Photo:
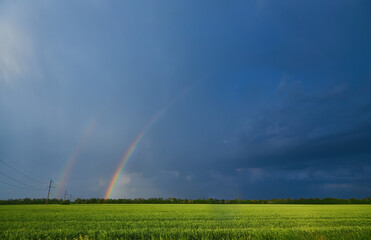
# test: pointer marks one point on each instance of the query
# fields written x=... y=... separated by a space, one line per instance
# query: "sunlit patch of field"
x=193 y=221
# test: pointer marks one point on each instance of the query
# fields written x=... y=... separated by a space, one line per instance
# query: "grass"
x=166 y=221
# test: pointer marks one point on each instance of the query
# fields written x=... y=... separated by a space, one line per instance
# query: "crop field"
x=167 y=221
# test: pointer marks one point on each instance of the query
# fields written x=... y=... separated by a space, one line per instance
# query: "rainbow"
x=61 y=183
x=129 y=152
x=134 y=144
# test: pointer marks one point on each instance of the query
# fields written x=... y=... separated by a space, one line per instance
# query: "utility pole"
x=47 y=198
x=70 y=197
x=65 y=193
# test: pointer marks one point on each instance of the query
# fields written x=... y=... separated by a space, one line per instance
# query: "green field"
x=166 y=221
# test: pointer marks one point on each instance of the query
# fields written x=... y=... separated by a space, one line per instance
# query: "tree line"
x=186 y=201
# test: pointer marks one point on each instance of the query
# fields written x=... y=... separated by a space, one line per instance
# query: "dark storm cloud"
x=306 y=127
x=320 y=141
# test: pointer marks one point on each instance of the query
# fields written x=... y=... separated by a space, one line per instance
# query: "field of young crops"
x=166 y=221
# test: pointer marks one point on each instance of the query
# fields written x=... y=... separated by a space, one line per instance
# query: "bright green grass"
x=202 y=221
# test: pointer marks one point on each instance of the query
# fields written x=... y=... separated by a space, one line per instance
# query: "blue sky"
x=278 y=102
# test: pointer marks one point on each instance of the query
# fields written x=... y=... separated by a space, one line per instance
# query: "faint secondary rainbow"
x=134 y=144
x=61 y=183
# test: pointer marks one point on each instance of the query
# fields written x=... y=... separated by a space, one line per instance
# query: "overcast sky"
x=272 y=98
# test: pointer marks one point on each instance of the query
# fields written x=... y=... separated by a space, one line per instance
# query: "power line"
x=21 y=182
x=20 y=172
x=18 y=186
